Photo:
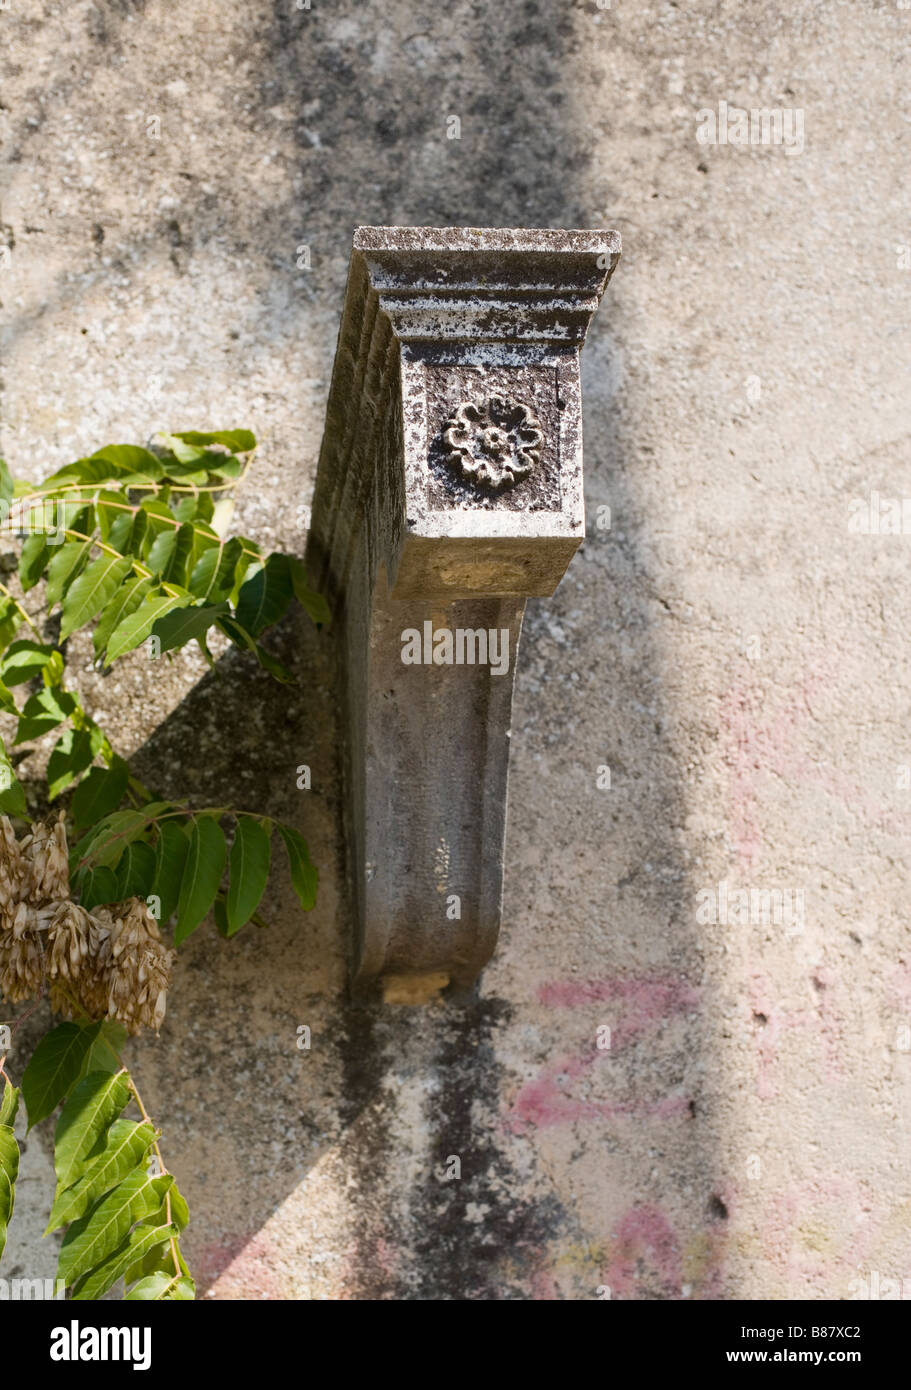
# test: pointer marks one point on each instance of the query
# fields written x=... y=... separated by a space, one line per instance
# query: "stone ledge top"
x=549 y=240
x=493 y=284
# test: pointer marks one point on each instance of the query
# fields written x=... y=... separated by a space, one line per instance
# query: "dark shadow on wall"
x=374 y=89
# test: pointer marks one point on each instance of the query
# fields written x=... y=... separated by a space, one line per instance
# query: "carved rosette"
x=495 y=443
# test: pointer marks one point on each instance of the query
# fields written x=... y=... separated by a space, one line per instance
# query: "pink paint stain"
x=834 y=1206
x=636 y=1003
x=644 y=1236
x=239 y=1268
x=543 y=1287
x=646 y=1259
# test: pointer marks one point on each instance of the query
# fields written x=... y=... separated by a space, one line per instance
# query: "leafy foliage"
x=127 y=541
x=175 y=858
x=122 y=1211
x=9 y=1158
x=130 y=543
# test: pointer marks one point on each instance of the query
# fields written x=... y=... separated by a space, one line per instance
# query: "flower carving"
x=494 y=444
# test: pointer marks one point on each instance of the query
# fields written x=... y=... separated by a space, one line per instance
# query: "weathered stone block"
x=449 y=490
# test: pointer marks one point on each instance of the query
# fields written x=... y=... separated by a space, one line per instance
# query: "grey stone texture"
x=729 y=648
x=450 y=476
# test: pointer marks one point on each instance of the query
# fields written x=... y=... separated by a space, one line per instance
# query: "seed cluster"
x=107 y=963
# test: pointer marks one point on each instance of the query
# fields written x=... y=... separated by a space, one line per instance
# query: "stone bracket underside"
x=449 y=490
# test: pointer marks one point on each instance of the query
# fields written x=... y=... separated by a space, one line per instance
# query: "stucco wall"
x=729 y=648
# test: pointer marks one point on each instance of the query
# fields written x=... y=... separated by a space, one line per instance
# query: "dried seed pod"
x=107 y=963
x=45 y=853
x=139 y=971
x=21 y=956
x=73 y=941
x=13 y=870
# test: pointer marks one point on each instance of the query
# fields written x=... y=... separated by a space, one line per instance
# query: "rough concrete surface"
x=728 y=648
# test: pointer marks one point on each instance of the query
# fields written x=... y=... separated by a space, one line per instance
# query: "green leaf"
x=271 y=664
x=213 y=573
x=12 y=800
x=247 y=566
x=7 y=702
x=105 y=842
x=204 y=540
x=73 y=752
x=162 y=1287
x=138 y=1243
x=9 y=1154
x=97 y=886
x=54 y=1066
x=173 y=1209
x=154 y=1262
x=89 y=1112
x=241 y=638
x=183 y=451
x=75 y=514
x=135 y=629
x=249 y=872
x=126 y=1146
x=104 y=1054
x=35 y=555
x=12 y=797
x=136 y=871
x=9 y=1171
x=100 y=793
x=64 y=567
x=10 y=1103
x=161 y=518
x=237 y=441
x=109 y=506
x=170 y=857
x=129 y=531
x=223 y=466
x=162 y=549
x=98 y=737
x=6 y=484
x=92 y=471
x=172 y=1212
x=94 y=588
x=133 y=460
x=312 y=603
x=180 y=1212
x=43 y=712
x=98 y=1233
x=185 y=507
x=265 y=598
x=125 y=601
x=187 y=625
x=176 y=571
x=198 y=507
x=187 y=474
x=10 y=620
x=303 y=872
x=24 y=660
x=202 y=875
x=53 y=671
x=183 y=1291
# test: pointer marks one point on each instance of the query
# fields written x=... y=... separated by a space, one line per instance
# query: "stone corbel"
x=449 y=490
